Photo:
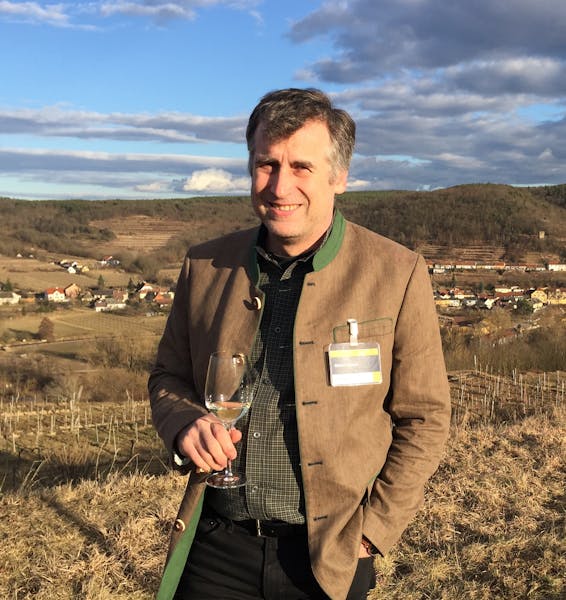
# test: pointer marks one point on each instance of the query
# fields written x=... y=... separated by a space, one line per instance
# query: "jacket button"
x=179 y=525
x=256 y=301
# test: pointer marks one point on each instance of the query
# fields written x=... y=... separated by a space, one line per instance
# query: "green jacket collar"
x=323 y=256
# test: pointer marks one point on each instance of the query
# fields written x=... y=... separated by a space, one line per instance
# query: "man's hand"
x=363 y=553
x=207 y=443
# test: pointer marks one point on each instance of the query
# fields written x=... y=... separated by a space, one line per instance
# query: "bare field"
x=76 y=323
x=37 y=275
x=142 y=234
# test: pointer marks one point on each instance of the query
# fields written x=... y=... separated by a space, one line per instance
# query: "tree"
x=101 y=282
x=524 y=307
x=46 y=330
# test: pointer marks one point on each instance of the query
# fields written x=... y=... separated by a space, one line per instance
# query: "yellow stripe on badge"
x=354 y=352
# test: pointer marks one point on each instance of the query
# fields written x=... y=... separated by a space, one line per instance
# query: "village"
x=530 y=299
x=102 y=298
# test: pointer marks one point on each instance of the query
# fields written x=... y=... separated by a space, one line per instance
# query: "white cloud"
x=461 y=162
x=162 y=11
x=546 y=154
x=52 y=14
x=214 y=181
x=57 y=121
x=154 y=187
x=167 y=11
x=63 y=14
x=358 y=184
x=527 y=75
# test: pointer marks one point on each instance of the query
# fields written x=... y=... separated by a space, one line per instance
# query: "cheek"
x=260 y=182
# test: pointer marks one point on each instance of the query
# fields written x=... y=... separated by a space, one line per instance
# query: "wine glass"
x=228 y=396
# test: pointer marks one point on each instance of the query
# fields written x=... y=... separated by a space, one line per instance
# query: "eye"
x=302 y=168
x=264 y=167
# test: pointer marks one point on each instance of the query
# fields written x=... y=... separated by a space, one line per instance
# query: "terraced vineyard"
x=480 y=253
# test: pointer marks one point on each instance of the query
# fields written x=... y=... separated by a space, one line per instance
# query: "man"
x=351 y=407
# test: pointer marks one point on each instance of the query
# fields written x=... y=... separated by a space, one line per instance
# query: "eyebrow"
x=263 y=159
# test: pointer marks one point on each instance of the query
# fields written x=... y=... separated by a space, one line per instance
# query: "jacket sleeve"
x=174 y=400
x=419 y=405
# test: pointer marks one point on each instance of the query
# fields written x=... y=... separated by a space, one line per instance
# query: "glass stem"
x=228 y=469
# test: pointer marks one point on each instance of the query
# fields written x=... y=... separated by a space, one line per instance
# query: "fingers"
x=207 y=443
x=235 y=435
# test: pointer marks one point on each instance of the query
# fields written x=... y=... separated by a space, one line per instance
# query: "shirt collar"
x=321 y=257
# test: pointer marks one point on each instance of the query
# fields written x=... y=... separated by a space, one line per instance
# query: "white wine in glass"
x=228 y=396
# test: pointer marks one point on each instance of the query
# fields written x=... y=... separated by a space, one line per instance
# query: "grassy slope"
x=492 y=527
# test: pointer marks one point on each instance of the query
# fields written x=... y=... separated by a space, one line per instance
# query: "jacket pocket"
x=368 y=331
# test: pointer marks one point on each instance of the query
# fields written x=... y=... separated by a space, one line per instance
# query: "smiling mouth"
x=284 y=207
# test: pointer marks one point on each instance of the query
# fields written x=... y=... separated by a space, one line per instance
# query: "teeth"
x=286 y=207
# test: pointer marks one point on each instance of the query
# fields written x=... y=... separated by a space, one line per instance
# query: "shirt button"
x=254 y=489
x=277 y=329
x=256 y=434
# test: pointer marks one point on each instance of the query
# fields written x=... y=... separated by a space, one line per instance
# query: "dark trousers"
x=228 y=562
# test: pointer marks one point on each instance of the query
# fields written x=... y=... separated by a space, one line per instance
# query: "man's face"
x=293 y=187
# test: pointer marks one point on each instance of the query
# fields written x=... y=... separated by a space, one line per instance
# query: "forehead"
x=313 y=138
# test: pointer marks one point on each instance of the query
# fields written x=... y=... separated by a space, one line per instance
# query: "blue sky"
x=148 y=99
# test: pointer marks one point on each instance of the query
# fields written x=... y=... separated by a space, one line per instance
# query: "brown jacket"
x=378 y=443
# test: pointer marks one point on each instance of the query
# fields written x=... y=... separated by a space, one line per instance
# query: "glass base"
x=226 y=481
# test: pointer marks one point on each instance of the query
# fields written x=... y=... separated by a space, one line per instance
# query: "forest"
x=466 y=214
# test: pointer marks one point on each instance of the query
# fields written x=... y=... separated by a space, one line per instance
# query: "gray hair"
x=283 y=112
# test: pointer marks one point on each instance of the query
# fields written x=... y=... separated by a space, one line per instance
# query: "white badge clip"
x=353 y=330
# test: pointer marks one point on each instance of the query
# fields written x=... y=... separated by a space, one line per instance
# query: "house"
x=72 y=291
x=442 y=267
x=87 y=297
x=488 y=302
x=535 y=267
x=540 y=295
x=465 y=265
x=55 y=294
x=164 y=299
x=120 y=295
x=108 y=305
x=9 y=298
x=448 y=302
x=102 y=294
x=556 y=266
x=144 y=288
x=109 y=261
x=557 y=297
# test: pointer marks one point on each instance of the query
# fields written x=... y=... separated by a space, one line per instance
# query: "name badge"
x=354 y=364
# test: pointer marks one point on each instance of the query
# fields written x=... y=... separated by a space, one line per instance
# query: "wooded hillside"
x=487 y=214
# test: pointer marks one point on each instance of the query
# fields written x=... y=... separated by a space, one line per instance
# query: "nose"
x=281 y=182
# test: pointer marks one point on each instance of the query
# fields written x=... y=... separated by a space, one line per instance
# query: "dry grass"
x=493 y=525
x=95 y=540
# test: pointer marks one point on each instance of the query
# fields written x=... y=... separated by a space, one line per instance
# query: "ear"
x=340 y=182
